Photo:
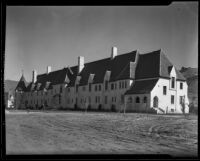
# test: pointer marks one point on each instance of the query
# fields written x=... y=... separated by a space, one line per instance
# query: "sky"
x=38 y=36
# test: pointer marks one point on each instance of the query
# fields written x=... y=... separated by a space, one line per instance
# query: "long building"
x=127 y=82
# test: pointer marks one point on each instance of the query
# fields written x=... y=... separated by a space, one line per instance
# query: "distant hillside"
x=191 y=74
x=10 y=85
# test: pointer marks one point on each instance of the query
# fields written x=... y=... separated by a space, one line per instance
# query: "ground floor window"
x=172 y=99
x=155 y=101
x=137 y=100
x=145 y=99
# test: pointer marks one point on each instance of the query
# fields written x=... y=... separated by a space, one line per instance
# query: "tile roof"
x=21 y=86
x=142 y=86
x=150 y=65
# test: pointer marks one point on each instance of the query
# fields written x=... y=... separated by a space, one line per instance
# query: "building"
x=131 y=81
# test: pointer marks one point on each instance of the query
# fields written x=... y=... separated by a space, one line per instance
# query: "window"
x=125 y=84
x=106 y=99
x=112 y=86
x=90 y=87
x=99 y=87
x=106 y=85
x=95 y=87
x=181 y=99
x=60 y=89
x=172 y=99
x=181 y=85
x=155 y=101
x=164 y=90
x=120 y=85
x=115 y=85
x=145 y=99
x=137 y=100
x=173 y=82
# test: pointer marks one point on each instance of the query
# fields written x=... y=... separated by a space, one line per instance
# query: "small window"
x=112 y=86
x=173 y=82
x=181 y=85
x=99 y=87
x=120 y=85
x=137 y=100
x=145 y=99
x=115 y=85
x=60 y=89
x=181 y=100
x=164 y=90
x=172 y=99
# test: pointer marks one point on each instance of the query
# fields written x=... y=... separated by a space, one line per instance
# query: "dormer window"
x=173 y=82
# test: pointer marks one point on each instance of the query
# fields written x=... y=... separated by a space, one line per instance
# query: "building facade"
x=131 y=82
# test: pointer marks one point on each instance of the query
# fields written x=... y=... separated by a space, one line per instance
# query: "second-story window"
x=60 y=89
x=181 y=85
x=106 y=85
x=112 y=86
x=90 y=87
x=173 y=82
x=99 y=87
x=164 y=90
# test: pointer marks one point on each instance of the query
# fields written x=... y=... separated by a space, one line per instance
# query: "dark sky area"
x=37 y=36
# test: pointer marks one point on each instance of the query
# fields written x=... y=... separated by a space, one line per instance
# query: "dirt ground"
x=100 y=133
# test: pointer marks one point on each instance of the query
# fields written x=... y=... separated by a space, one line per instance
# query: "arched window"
x=130 y=100
x=137 y=100
x=155 y=101
x=145 y=99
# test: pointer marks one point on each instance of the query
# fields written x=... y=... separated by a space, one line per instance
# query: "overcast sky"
x=37 y=36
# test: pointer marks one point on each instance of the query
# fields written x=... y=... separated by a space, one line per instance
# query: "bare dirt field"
x=100 y=133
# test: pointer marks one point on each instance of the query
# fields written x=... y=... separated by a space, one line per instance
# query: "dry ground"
x=100 y=133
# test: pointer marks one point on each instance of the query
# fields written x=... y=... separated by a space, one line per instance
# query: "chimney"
x=114 y=52
x=48 y=69
x=80 y=63
x=34 y=76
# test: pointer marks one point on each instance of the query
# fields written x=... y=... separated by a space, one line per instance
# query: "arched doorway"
x=155 y=101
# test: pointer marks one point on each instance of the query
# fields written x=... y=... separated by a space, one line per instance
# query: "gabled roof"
x=21 y=86
x=142 y=87
x=153 y=65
